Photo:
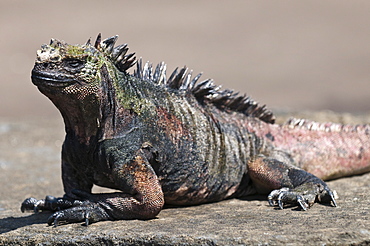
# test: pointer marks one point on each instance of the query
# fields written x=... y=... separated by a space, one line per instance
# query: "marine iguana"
x=177 y=141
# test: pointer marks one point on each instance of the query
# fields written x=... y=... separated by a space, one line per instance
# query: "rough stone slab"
x=29 y=166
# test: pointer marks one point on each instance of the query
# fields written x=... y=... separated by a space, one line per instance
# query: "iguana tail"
x=327 y=150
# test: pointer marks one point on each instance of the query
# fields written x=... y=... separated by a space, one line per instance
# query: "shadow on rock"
x=255 y=197
x=13 y=223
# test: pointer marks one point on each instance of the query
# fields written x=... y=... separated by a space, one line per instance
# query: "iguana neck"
x=81 y=116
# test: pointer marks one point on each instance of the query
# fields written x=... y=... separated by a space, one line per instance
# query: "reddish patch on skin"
x=117 y=123
x=171 y=125
x=327 y=155
x=148 y=198
x=265 y=175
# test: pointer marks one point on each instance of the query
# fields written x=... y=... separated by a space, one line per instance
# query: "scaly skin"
x=176 y=141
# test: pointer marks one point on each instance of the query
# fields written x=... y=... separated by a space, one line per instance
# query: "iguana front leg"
x=71 y=181
x=141 y=197
x=289 y=184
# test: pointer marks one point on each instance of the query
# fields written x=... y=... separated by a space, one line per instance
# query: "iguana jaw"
x=50 y=79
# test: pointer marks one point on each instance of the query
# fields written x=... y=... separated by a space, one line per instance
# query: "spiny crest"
x=181 y=79
x=116 y=54
x=295 y=123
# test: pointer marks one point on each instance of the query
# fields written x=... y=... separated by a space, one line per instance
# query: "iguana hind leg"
x=286 y=183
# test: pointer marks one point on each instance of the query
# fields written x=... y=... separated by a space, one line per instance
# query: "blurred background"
x=294 y=55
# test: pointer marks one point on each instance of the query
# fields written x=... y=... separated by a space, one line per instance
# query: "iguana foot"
x=67 y=211
x=50 y=203
x=304 y=195
x=87 y=212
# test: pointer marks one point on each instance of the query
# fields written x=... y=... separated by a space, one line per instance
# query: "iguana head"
x=76 y=78
x=61 y=68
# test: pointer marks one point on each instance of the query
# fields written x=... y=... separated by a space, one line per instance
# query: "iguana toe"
x=30 y=204
x=87 y=212
x=289 y=196
x=304 y=196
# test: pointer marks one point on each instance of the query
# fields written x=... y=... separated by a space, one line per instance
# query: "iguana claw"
x=287 y=196
x=302 y=195
x=50 y=203
x=30 y=204
x=87 y=212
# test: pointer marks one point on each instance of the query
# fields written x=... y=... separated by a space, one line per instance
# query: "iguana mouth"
x=50 y=79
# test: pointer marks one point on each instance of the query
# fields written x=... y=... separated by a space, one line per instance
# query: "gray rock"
x=29 y=166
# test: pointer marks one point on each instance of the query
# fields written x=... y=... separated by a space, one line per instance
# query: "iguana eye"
x=73 y=63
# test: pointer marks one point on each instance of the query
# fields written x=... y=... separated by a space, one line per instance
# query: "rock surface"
x=29 y=166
